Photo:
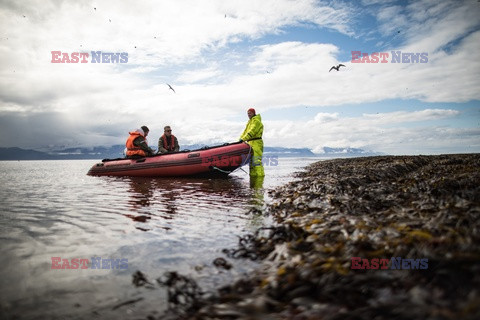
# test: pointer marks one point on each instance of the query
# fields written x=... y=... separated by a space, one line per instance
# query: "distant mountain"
x=22 y=154
x=288 y=152
x=116 y=151
x=64 y=154
x=346 y=152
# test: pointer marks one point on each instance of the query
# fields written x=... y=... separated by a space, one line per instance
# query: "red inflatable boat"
x=208 y=161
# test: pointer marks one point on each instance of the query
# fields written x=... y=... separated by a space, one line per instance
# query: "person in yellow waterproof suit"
x=253 y=136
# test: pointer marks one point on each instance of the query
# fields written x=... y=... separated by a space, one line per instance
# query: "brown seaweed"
x=380 y=207
x=383 y=208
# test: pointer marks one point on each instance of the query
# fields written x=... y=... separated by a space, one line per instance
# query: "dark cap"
x=145 y=129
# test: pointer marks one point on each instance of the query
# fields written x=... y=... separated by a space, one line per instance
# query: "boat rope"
x=245 y=161
x=243 y=170
x=228 y=172
x=224 y=171
x=240 y=167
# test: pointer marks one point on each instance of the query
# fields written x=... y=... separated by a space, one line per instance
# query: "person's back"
x=137 y=146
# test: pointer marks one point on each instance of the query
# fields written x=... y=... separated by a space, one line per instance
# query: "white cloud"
x=431 y=25
x=376 y=2
x=192 y=76
x=166 y=34
x=219 y=59
x=412 y=132
x=415 y=116
x=392 y=19
x=325 y=117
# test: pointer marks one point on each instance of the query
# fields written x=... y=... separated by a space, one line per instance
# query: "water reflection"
x=140 y=192
x=52 y=209
x=140 y=195
x=256 y=185
x=257 y=201
x=151 y=198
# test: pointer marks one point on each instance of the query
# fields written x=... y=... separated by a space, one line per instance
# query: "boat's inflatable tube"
x=208 y=161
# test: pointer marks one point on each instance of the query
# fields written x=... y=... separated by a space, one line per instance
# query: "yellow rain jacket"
x=253 y=136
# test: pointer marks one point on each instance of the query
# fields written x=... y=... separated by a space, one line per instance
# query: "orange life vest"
x=165 y=144
x=133 y=149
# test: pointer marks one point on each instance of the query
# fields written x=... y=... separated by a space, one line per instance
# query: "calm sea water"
x=53 y=209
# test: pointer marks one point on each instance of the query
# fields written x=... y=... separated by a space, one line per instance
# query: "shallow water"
x=53 y=209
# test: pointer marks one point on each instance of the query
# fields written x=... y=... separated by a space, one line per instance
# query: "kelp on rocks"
x=410 y=207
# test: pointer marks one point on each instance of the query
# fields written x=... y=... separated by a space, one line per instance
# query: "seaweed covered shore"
x=378 y=237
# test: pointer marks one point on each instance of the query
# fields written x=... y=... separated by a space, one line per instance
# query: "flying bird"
x=336 y=67
x=171 y=87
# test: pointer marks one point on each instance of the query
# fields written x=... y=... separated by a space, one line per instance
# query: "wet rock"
x=140 y=280
x=184 y=295
x=222 y=263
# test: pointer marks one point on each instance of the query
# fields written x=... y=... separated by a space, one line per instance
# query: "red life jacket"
x=165 y=144
x=133 y=149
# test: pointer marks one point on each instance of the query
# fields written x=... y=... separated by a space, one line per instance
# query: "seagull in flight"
x=171 y=87
x=337 y=67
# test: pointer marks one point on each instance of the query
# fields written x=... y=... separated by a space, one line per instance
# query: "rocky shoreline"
x=361 y=238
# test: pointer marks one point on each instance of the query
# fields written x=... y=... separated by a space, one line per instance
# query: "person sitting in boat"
x=137 y=145
x=168 y=142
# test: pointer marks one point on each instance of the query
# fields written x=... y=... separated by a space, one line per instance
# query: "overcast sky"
x=223 y=57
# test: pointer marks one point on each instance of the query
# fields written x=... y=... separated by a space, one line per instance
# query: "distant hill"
x=347 y=152
x=22 y=154
x=288 y=152
x=64 y=154
x=116 y=151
